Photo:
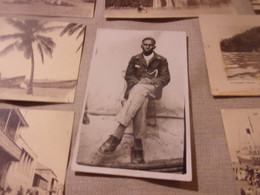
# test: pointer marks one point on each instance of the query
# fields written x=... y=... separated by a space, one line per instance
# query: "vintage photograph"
x=242 y=127
x=166 y=8
x=39 y=60
x=256 y=6
x=241 y=53
x=136 y=117
x=34 y=152
x=68 y=8
x=232 y=51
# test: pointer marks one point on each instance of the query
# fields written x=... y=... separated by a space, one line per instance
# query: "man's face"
x=148 y=47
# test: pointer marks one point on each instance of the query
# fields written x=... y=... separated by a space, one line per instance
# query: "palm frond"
x=47 y=44
x=17 y=24
x=68 y=28
x=8 y=49
x=71 y=28
x=47 y=40
x=41 y=52
x=41 y=25
x=83 y=30
x=52 y=28
x=11 y=36
x=81 y=45
x=42 y=28
x=75 y=29
x=47 y=50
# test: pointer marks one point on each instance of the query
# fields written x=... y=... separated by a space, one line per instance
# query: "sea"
x=242 y=65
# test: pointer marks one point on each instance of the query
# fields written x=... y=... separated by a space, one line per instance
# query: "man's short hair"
x=149 y=38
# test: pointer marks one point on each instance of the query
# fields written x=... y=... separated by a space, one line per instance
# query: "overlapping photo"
x=39 y=59
x=67 y=8
x=256 y=6
x=166 y=8
x=136 y=113
x=232 y=51
x=242 y=127
x=34 y=150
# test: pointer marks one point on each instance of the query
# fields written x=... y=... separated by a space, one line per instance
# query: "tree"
x=28 y=35
x=72 y=28
x=247 y=41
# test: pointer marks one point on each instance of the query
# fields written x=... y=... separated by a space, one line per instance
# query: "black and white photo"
x=34 y=152
x=242 y=127
x=241 y=53
x=166 y=8
x=256 y=6
x=232 y=51
x=136 y=116
x=39 y=59
x=71 y=8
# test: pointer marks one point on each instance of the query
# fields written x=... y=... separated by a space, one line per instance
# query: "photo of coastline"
x=232 y=52
x=241 y=53
x=39 y=59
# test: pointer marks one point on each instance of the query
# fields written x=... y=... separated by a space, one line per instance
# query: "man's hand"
x=146 y=81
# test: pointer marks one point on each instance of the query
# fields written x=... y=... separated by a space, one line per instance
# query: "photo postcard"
x=166 y=8
x=34 y=150
x=256 y=6
x=242 y=127
x=58 y=8
x=232 y=51
x=136 y=120
x=39 y=59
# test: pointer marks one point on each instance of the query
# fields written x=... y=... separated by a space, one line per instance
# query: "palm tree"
x=72 y=28
x=28 y=35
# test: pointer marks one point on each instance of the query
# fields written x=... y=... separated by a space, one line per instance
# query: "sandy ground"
x=167 y=12
x=79 y=8
x=39 y=94
x=161 y=143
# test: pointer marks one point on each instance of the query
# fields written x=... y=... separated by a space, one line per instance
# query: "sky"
x=229 y=31
x=64 y=65
x=49 y=135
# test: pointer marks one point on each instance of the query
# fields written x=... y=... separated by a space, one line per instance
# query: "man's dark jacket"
x=157 y=70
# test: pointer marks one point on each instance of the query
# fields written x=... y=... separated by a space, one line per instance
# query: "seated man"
x=146 y=75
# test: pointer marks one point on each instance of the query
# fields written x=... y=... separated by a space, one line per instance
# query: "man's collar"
x=149 y=56
x=155 y=56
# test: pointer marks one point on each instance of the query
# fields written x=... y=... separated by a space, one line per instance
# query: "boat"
x=250 y=157
x=249 y=153
x=53 y=84
x=13 y=82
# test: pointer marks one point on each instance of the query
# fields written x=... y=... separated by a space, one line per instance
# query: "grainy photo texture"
x=34 y=152
x=242 y=127
x=241 y=52
x=256 y=5
x=136 y=118
x=232 y=51
x=39 y=60
x=68 y=8
x=165 y=8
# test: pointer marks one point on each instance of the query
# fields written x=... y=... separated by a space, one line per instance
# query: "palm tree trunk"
x=30 y=87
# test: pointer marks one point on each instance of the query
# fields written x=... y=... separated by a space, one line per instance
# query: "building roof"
x=22 y=119
x=40 y=166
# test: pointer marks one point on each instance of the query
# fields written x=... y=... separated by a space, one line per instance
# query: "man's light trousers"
x=135 y=108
